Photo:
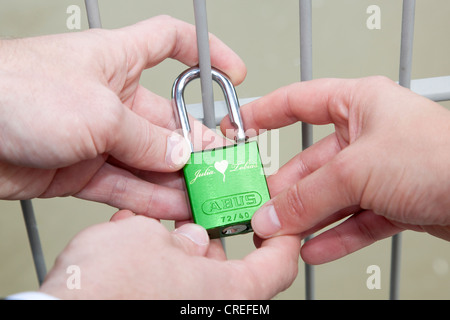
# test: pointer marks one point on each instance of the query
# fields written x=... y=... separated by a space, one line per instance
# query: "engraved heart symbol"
x=221 y=166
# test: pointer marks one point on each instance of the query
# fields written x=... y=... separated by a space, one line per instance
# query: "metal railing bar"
x=406 y=51
x=34 y=240
x=93 y=14
x=436 y=88
x=204 y=58
x=407 y=39
x=204 y=63
x=196 y=109
x=305 y=15
x=396 y=251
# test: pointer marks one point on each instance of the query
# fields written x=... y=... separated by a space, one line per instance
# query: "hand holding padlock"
x=225 y=185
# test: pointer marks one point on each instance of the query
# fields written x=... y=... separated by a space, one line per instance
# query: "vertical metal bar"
x=406 y=49
x=406 y=52
x=204 y=62
x=305 y=40
x=394 y=286
x=93 y=13
x=33 y=238
x=305 y=12
x=201 y=25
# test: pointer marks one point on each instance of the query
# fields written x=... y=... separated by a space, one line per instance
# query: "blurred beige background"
x=265 y=33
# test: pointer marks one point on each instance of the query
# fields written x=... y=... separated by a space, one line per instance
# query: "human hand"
x=74 y=117
x=135 y=257
x=386 y=165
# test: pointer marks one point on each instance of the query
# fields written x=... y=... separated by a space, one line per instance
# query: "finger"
x=318 y=101
x=68 y=180
x=336 y=185
x=156 y=109
x=159 y=111
x=442 y=232
x=303 y=164
x=172 y=180
x=158 y=38
x=335 y=217
x=121 y=189
x=122 y=214
x=141 y=144
x=357 y=232
x=324 y=223
x=203 y=137
x=160 y=149
x=215 y=249
x=272 y=268
x=192 y=238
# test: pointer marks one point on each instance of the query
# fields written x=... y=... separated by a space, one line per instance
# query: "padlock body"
x=225 y=187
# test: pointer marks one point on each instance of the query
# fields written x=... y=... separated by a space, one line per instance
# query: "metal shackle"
x=228 y=90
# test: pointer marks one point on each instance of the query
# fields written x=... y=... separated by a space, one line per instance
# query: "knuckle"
x=295 y=209
x=375 y=84
x=118 y=190
x=378 y=80
x=343 y=170
x=352 y=173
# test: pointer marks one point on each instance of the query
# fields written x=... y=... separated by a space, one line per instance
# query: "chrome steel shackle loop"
x=228 y=90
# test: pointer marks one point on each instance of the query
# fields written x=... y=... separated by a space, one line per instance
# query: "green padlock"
x=225 y=185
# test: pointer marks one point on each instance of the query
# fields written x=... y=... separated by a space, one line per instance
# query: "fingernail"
x=195 y=233
x=265 y=222
x=177 y=151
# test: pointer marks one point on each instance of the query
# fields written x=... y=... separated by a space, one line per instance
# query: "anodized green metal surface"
x=225 y=187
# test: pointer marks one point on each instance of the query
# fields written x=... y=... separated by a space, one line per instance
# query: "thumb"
x=122 y=214
x=143 y=145
x=192 y=238
x=333 y=187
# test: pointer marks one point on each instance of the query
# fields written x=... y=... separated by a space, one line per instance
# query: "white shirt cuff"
x=31 y=295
